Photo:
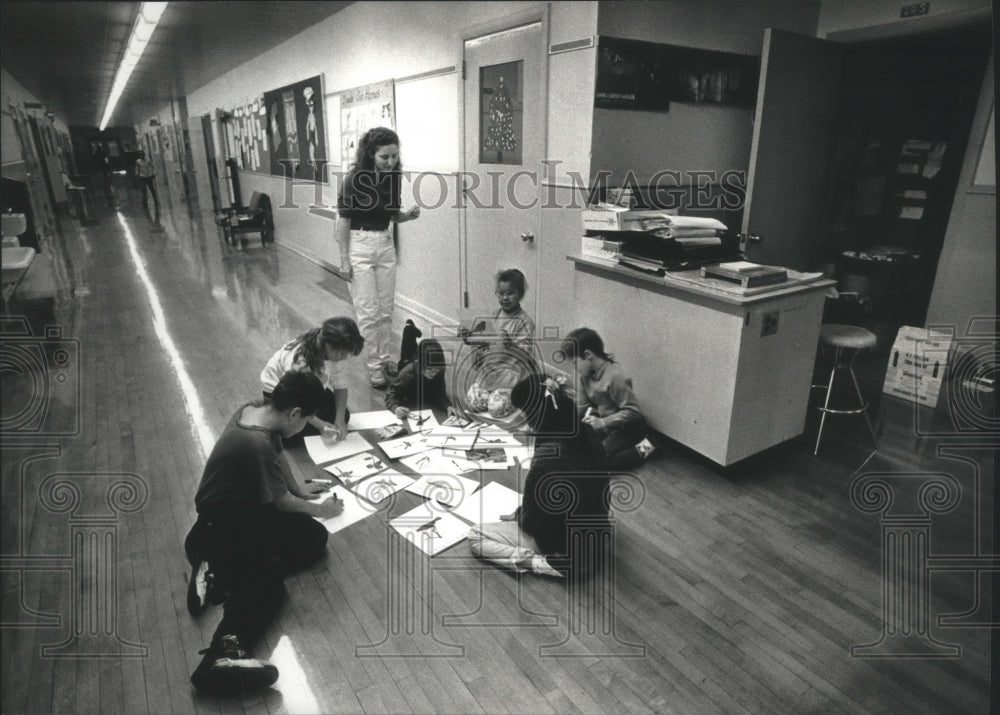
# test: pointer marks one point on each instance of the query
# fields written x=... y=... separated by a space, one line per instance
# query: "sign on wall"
x=361 y=109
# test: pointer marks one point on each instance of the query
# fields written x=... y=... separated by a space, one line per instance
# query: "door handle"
x=746 y=239
x=527 y=236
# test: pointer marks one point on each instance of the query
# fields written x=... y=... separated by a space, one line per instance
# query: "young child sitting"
x=502 y=346
x=568 y=460
x=420 y=384
x=606 y=401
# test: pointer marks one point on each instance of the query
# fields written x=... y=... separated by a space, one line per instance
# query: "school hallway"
x=753 y=589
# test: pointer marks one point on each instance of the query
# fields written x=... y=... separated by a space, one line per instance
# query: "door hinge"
x=465 y=299
x=463 y=70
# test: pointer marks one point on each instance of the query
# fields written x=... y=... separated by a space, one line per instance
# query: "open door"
x=793 y=136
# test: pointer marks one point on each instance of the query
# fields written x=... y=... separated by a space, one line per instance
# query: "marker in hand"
x=319 y=481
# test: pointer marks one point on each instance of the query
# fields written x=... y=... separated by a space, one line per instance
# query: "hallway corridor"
x=736 y=591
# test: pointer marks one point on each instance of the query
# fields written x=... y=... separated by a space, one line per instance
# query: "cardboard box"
x=918 y=362
x=619 y=218
x=600 y=247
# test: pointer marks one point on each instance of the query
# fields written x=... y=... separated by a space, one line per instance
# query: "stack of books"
x=654 y=241
x=748 y=275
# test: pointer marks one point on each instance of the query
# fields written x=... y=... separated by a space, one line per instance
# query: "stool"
x=848 y=341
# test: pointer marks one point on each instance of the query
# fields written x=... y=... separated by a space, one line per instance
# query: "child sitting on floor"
x=606 y=401
x=420 y=384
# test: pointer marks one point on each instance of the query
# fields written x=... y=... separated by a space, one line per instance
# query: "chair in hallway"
x=847 y=341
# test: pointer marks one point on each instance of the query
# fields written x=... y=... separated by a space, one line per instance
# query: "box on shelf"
x=619 y=218
x=600 y=247
x=917 y=365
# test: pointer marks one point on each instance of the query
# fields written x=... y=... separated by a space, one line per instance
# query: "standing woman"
x=369 y=200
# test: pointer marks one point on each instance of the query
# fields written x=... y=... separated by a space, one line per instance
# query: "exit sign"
x=920 y=8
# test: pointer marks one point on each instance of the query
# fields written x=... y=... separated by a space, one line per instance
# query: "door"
x=504 y=108
x=794 y=128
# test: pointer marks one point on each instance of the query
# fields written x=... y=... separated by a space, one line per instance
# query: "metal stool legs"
x=840 y=364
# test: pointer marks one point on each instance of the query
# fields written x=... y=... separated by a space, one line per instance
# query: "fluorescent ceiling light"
x=145 y=23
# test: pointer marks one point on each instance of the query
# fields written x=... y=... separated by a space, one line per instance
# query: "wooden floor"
x=742 y=591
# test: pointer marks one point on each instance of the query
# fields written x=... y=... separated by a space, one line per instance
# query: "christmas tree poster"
x=501 y=113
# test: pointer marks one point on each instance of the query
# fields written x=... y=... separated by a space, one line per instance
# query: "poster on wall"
x=361 y=109
x=501 y=113
x=630 y=76
x=648 y=76
x=296 y=129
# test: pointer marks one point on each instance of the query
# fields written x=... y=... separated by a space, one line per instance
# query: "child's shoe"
x=645 y=448
x=228 y=668
x=377 y=379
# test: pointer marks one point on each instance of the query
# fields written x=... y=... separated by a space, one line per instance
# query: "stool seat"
x=847 y=341
x=846 y=336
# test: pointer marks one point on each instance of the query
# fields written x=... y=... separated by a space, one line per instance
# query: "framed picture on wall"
x=630 y=75
x=501 y=113
x=296 y=130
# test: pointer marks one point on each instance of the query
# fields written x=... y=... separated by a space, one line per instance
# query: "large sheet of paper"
x=435 y=462
x=320 y=452
x=421 y=421
x=405 y=446
x=371 y=420
x=449 y=489
x=378 y=487
x=488 y=504
x=429 y=529
x=355 y=509
x=491 y=458
x=356 y=468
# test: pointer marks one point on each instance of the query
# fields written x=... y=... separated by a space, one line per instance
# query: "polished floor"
x=848 y=582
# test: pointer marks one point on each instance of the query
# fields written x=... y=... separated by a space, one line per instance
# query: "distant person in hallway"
x=146 y=172
x=255 y=526
x=606 y=402
x=323 y=352
x=568 y=480
x=367 y=204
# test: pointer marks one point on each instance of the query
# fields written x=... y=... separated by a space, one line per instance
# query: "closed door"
x=504 y=146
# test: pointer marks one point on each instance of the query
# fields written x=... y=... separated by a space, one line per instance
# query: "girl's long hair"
x=364 y=160
x=339 y=333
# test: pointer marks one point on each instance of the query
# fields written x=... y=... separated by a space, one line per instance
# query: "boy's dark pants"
x=250 y=550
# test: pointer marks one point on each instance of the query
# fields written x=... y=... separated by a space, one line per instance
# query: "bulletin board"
x=296 y=129
x=245 y=137
x=361 y=108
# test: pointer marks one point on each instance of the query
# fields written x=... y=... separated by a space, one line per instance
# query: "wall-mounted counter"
x=724 y=372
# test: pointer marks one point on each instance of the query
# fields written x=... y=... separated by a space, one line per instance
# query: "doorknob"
x=527 y=236
x=747 y=238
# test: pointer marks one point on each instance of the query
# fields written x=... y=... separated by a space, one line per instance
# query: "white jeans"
x=508 y=547
x=373 y=290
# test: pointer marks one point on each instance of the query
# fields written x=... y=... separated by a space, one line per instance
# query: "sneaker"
x=645 y=448
x=228 y=668
x=197 y=593
x=378 y=379
x=389 y=368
